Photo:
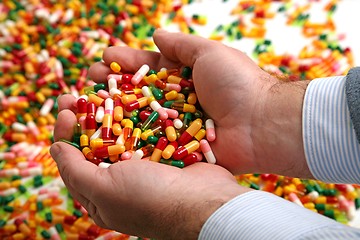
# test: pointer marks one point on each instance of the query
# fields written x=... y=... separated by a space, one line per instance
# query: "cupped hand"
x=141 y=198
x=230 y=87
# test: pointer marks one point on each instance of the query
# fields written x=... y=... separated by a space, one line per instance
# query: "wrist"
x=192 y=211
x=277 y=135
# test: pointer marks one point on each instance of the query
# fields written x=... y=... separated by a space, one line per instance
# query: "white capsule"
x=99 y=115
x=137 y=155
x=96 y=134
x=104 y=165
x=47 y=106
x=19 y=127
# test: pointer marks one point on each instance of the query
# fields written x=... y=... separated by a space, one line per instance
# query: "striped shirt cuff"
x=331 y=147
x=262 y=215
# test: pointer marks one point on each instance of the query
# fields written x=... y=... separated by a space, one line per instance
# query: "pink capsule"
x=31 y=171
x=208 y=153
x=19 y=127
x=172 y=113
x=47 y=106
x=210 y=130
x=103 y=94
x=7 y=155
x=140 y=74
x=155 y=105
x=126 y=155
x=294 y=198
x=27 y=164
x=172 y=86
x=9 y=172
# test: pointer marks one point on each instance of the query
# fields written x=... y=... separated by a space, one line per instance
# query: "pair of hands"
x=154 y=200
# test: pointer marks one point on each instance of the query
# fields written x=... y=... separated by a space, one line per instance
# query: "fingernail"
x=55 y=151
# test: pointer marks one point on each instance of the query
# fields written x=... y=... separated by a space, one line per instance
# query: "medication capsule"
x=81 y=108
x=294 y=198
x=23 y=227
x=98 y=143
x=208 y=153
x=126 y=155
x=157 y=93
x=134 y=140
x=172 y=113
x=115 y=67
x=118 y=110
x=170 y=130
x=137 y=155
x=90 y=108
x=7 y=156
x=181 y=81
x=169 y=150
x=84 y=140
x=185 y=150
x=90 y=124
x=190 y=132
x=140 y=74
x=106 y=151
x=147 y=150
x=149 y=121
x=129 y=125
x=183 y=107
x=172 y=95
x=172 y=86
x=109 y=106
x=190 y=159
x=128 y=98
x=95 y=99
x=159 y=148
x=200 y=134
x=192 y=98
x=155 y=105
x=179 y=164
x=93 y=89
x=106 y=132
x=47 y=106
x=136 y=104
x=150 y=132
x=178 y=124
x=116 y=129
x=100 y=113
x=210 y=130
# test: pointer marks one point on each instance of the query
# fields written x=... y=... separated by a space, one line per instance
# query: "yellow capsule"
x=320 y=199
x=278 y=191
x=309 y=205
x=171 y=95
x=162 y=74
x=40 y=97
x=95 y=99
x=116 y=129
x=200 y=134
x=192 y=98
x=151 y=78
x=84 y=140
x=115 y=67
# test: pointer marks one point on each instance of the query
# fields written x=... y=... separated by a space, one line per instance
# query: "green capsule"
x=8 y=199
x=135 y=119
x=329 y=192
x=158 y=93
x=45 y=234
x=152 y=139
x=357 y=203
x=179 y=164
x=48 y=217
x=320 y=207
x=152 y=71
x=2 y=223
x=22 y=188
x=59 y=228
x=77 y=213
x=254 y=186
x=329 y=213
x=150 y=120
x=39 y=206
x=71 y=143
x=95 y=88
x=168 y=104
x=8 y=208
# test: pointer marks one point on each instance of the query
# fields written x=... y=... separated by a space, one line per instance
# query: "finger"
x=77 y=173
x=98 y=72
x=179 y=47
x=131 y=59
x=66 y=101
x=64 y=126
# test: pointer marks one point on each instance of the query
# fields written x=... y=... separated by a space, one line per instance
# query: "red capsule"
x=91 y=108
x=81 y=107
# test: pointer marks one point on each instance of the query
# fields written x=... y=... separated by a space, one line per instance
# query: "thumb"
x=180 y=47
x=77 y=173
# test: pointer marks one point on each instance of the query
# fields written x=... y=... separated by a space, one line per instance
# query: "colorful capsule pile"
x=46 y=49
x=146 y=115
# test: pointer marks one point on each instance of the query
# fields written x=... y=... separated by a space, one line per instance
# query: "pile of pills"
x=146 y=115
x=46 y=49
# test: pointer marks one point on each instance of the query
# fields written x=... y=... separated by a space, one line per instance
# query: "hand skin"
x=141 y=198
x=258 y=126
x=258 y=118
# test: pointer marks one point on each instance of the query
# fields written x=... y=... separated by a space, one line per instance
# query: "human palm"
x=230 y=87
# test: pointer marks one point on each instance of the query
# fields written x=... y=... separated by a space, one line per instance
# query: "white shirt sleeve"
x=332 y=152
x=331 y=147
